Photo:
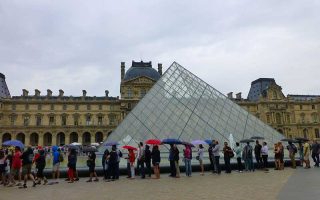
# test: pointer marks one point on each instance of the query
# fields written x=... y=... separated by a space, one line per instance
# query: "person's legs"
x=138 y=167
x=132 y=171
x=239 y=164
x=177 y=169
x=317 y=158
x=172 y=168
x=217 y=160
x=142 y=169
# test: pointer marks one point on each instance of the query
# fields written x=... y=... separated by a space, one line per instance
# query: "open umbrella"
x=208 y=141
x=76 y=143
x=302 y=139
x=257 y=138
x=289 y=140
x=187 y=144
x=111 y=143
x=153 y=142
x=129 y=147
x=197 y=142
x=246 y=140
x=171 y=141
x=13 y=143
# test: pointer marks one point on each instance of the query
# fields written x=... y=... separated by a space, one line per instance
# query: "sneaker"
x=77 y=179
x=45 y=182
x=24 y=186
x=96 y=180
x=89 y=181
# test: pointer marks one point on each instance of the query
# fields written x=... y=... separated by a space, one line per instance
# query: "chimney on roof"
x=123 y=69
x=107 y=93
x=238 y=96
x=160 y=68
x=230 y=95
x=61 y=92
x=37 y=92
x=25 y=92
x=49 y=93
x=84 y=93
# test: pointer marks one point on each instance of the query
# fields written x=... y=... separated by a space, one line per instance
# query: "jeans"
x=188 y=166
x=248 y=163
x=211 y=163
x=315 y=157
x=128 y=170
x=239 y=164
x=265 y=161
x=217 y=164
x=259 y=161
x=140 y=164
x=148 y=166
x=117 y=170
x=293 y=160
x=227 y=164
x=172 y=168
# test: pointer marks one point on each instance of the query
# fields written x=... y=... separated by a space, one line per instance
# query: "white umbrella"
x=76 y=144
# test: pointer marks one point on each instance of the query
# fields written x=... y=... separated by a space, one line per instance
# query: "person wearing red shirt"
x=132 y=158
x=16 y=164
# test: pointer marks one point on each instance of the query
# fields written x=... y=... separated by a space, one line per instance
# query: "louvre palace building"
x=47 y=119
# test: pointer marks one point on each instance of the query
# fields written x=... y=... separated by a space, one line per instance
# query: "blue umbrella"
x=171 y=141
x=111 y=143
x=208 y=141
x=13 y=143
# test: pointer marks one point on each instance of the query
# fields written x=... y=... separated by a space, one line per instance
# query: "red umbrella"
x=153 y=142
x=129 y=147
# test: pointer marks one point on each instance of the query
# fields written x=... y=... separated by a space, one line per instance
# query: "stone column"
x=40 y=139
x=54 y=139
x=27 y=139
x=93 y=137
x=80 y=137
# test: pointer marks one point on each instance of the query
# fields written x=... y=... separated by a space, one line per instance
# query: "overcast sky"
x=76 y=45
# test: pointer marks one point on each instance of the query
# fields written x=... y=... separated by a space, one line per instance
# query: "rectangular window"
x=88 y=120
x=100 y=120
x=111 y=119
x=13 y=106
x=27 y=107
x=39 y=107
x=52 y=107
x=316 y=133
x=26 y=120
x=88 y=107
x=51 y=120
x=64 y=107
x=64 y=120
x=313 y=107
x=38 y=120
x=76 y=107
x=100 y=107
x=12 y=120
x=301 y=107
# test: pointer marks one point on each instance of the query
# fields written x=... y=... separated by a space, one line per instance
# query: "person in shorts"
x=27 y=158
x=55 y=163
x=16 y=164
x=155 y=155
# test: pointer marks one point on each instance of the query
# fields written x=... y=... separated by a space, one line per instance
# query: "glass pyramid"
x=180 y=105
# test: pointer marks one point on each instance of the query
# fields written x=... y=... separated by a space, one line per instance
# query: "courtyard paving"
x=257 y=185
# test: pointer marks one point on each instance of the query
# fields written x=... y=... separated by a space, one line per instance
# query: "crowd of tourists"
x=17 y=165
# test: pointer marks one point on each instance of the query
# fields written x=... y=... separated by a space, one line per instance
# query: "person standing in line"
x=211 y=156
x=3 y=167
x=156 y=159
x=112 y=163
x=119 y=156
x=16 y=165
x=216 y=154
x=27 y=158
x=292 y=153
x=264 y=154
x=200 y=154
x=128 y=166
x=132 y=158
x=72 y=161
x=187 y=158
x=40 y=165
x=315 y=153
x=300 y=150
x=277 y=156
x=105 y=164
x=147 y=154
x=238 y=150
x=140 y=160
x=227 y=155
x=172 y=163
x=257 y=153
x=306 y=154
x=55 y=163
x=247 y=157
x=176 y=160
x=92 y=164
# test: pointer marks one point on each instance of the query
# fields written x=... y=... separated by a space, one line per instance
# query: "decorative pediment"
x=274 y=92
x=140 y=80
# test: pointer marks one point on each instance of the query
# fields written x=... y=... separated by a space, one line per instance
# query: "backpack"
x=61 y=157
x=231 y=154
x=294 y=148
x=30 y=157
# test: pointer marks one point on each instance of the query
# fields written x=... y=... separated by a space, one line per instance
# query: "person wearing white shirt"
x=264 y=153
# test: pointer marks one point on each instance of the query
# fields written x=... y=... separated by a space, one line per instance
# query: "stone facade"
x=292 y=115
x=56 y=120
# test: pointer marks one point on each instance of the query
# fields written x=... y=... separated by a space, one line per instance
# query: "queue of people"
x=16 y=166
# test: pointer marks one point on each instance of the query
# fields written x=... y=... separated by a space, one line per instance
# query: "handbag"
x=197 y=157
x=89 y=163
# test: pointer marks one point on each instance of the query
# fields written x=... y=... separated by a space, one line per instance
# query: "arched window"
x=316 y=133
x=315 y=117
x=305 y=133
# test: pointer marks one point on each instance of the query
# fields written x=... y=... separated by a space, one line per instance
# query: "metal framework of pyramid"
x=180 y=105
